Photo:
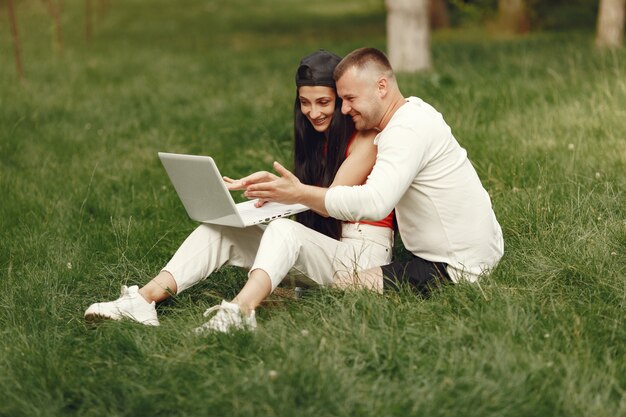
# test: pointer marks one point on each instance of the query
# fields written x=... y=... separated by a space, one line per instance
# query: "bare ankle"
x=245 y=309
x=146 y=296
x=159 y=288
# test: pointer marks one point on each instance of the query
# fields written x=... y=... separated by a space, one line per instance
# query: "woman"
x=328 y=152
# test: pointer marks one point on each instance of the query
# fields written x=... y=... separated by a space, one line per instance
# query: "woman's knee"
x=208 y=231
x=284 y=227
x=283 y=234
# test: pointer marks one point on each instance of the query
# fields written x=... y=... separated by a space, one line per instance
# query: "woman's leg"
x=205 y=250
x=257 y=288
x=159 y=288
x=287 y=244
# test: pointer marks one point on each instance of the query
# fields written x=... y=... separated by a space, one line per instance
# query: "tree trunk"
x=88 y=20
x=513 y=16
x=102 y=10
x=16 y=40
x=610 y=31
x=408 y=35
x=439 y=17
x=53 y=10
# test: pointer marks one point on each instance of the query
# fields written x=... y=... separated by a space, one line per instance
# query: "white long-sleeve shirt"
x=444 y=214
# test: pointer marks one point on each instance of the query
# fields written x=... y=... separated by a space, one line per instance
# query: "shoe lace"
x=124 y=291
x=221 y=321
x=212 y=309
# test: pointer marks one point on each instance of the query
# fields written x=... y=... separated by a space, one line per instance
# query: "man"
x=444 y=214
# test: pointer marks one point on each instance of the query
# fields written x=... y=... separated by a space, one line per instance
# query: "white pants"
x=277 y=248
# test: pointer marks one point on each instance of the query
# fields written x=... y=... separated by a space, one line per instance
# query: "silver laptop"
x=202 y=191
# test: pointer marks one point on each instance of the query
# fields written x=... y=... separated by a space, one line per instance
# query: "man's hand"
x=286 y=189
x=240 y=184
x=265 y=186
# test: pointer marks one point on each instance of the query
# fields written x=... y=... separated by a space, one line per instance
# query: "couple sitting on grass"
x=362 y=152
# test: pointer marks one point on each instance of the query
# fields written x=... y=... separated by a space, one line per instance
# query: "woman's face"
x=317 y=103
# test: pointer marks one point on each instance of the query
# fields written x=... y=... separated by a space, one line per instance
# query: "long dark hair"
x=317 y=158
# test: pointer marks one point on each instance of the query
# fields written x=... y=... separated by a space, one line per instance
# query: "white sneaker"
x=229 y=317
x=130 y=305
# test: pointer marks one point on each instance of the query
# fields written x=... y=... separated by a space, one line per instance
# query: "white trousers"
x=278 y=248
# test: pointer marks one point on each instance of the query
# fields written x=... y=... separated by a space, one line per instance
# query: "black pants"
x=420 y=274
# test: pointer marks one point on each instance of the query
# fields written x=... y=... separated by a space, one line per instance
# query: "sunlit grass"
x=87 y=207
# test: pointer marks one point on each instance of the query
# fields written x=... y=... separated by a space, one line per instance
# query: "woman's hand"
x=233 y=184
x=243 y=183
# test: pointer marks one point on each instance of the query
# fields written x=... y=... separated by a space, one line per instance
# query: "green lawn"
x=87 y=207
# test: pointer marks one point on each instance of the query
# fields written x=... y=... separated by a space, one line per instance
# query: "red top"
x=387 y=221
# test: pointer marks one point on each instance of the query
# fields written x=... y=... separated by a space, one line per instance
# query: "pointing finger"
x=282 y=170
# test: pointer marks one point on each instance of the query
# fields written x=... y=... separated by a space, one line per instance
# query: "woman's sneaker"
x=229 y=317
x=130 y=305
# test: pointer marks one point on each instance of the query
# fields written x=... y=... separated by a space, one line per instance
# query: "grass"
x=87 y=207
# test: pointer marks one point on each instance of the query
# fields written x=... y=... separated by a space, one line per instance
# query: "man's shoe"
x=130 y=305
x=229 y=317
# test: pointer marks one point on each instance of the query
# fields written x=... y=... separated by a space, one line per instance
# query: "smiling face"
x=361 y=99
x=317 y=103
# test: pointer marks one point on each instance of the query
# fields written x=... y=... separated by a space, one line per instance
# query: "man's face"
x=361 y=101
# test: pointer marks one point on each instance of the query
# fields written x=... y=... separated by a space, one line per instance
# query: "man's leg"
x=418 y=273
x=369 y=279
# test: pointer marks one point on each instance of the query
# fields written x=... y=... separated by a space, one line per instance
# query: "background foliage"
x=87 y=207
x=554 y=15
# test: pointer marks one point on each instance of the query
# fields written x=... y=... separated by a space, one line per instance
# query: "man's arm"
x=286 y=189
x=400 y=157
x=401 y=154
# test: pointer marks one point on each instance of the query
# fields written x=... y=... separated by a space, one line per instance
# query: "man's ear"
x=382 y=84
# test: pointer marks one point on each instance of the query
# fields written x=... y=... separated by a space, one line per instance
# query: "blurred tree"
x=408 y=35
x=513 y=16
x=610 y=29
x=439 y=16
x=471 y=12
x=562 y=14
x=16 y=40
x=540 y=14
x=53 y=10
x=88 y=20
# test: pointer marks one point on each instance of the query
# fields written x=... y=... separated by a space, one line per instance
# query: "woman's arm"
x=359 y=162
x=353 y=170
x=287 y=189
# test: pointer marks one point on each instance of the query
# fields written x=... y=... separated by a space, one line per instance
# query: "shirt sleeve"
x=401 y=155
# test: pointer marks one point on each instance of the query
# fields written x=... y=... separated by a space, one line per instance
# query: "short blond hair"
x=364 y=58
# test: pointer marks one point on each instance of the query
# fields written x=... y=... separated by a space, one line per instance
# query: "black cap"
x=317 y=69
